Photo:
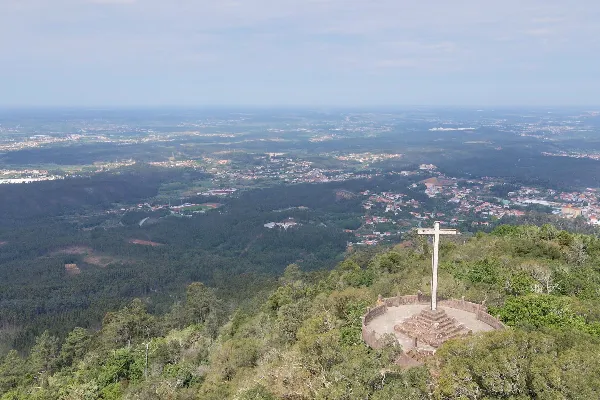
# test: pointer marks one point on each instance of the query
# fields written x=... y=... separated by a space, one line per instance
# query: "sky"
x=299 y=52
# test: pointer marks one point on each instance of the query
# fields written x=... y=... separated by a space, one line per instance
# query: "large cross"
x=436 y=232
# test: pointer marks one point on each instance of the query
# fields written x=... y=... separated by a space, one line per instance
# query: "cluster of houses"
x=386 y=203
x=219 y=192
x=393 y=202
x=8 y=176
x=584 y=204
x=592 y=156
x=175 y=164
x=367 y=158
x=372 y=220
x=278 y=168
x=285 y=225
x=436 y=185
x=473 y=199
x=370 y=239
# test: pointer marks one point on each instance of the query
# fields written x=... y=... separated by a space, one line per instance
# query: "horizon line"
x=286 y=106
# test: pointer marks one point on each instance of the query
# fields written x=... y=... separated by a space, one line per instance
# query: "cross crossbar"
x=430 y=231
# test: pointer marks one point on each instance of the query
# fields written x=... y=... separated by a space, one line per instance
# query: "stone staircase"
x=431 y=327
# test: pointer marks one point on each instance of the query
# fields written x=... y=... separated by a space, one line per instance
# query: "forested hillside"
x=302 y=341
x=45 y=227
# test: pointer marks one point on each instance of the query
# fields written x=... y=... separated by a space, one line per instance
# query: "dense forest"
x=301 y=339
x=46 y=226
x=47 y=200
x=525 y=167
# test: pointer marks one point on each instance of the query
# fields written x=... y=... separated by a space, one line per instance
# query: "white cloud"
x=547 y=20
x=112 y=1
x=298 y=37
x=295 y=29
x=539 y=32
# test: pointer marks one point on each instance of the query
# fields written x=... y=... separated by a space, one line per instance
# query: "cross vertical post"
x=434 y=280
x=435 y=232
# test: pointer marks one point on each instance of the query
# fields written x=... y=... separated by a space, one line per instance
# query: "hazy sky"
x=299 y=52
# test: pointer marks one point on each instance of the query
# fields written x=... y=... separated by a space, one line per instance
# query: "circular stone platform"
x=393 y=312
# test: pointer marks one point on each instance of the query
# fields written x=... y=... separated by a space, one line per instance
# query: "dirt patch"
x=144 y=242
x=72 y=269
x=212 y=205
x=343 y=195
x=91 y=257
x=78 y=250
x=101 y=261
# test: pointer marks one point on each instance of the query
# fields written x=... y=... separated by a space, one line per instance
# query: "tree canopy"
x=302 y=341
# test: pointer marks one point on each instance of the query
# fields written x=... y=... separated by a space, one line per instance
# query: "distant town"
x=236 y=154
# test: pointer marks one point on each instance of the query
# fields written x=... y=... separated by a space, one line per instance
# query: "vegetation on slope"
x=304 y=341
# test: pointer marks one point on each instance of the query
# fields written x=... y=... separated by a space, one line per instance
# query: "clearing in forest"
x=344 y=195
x=74 y=250
x=90 y=256
x=145 y=242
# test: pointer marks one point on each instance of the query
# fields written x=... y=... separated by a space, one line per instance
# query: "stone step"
x=431 y=327
x=444 y=329
x=427 y=320
x=450 y=327
x=441 y=323
x=433 y=318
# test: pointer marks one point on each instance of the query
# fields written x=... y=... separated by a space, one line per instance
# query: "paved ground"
x=385 y=323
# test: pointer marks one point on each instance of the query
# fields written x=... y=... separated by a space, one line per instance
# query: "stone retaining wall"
x=463 y=305
x=373 y=312
x=370 y=337
x=401 y=300
x=491 y=321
